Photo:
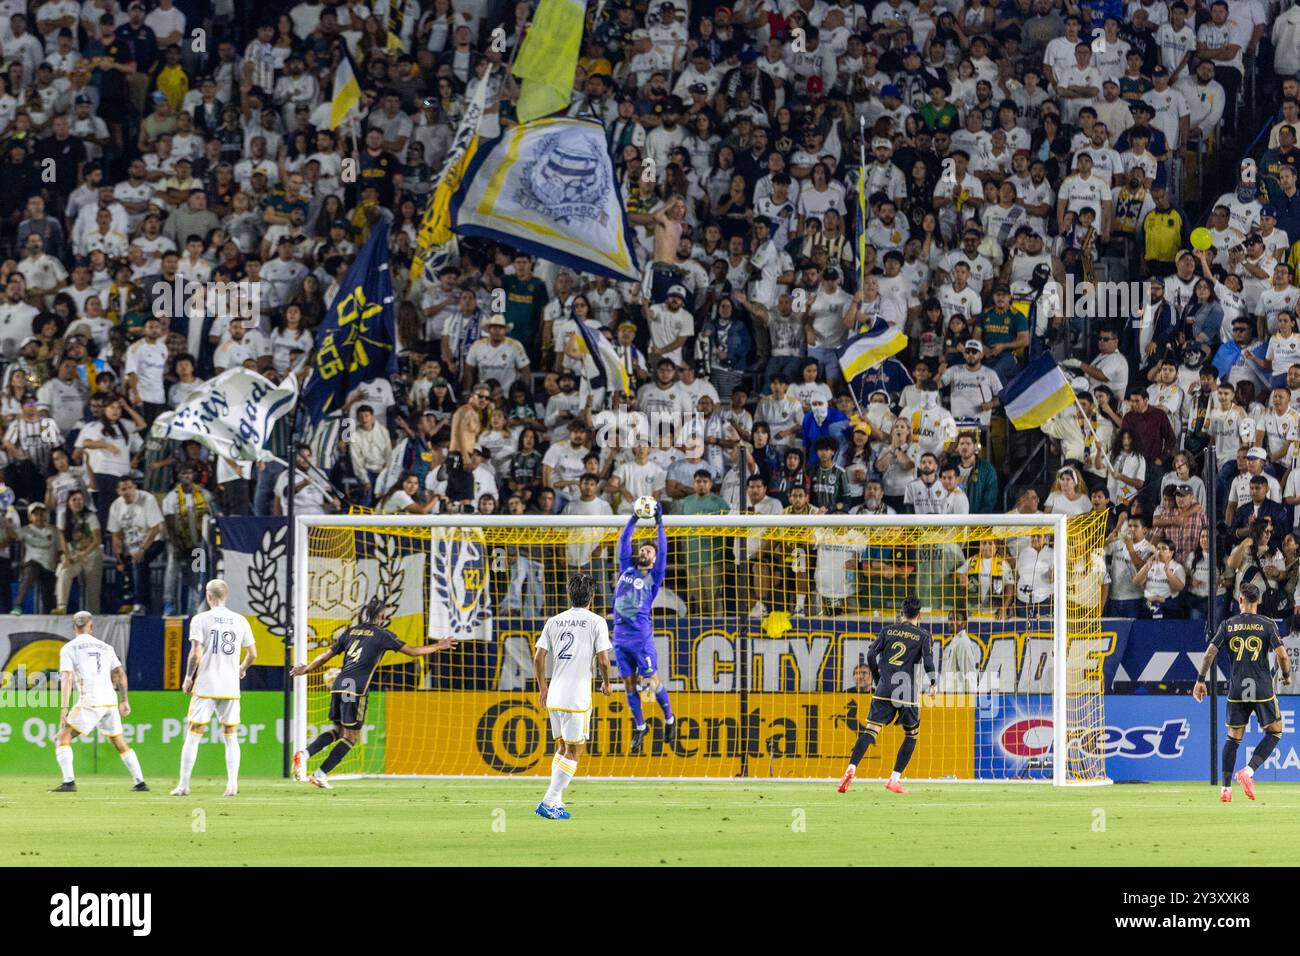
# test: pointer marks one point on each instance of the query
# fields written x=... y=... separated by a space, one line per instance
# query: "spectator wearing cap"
x=29 y=441
x=973 y=389
x=1182 y=524
x=497 y=357
x=41 y=548
x=671 y=326
x=1238 y=492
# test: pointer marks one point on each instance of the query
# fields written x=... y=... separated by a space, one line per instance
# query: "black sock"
x=1229 y=759
x=335 y=756
x=865 y=740
x=326 y=738
x=904 y=754
x=1263 y=750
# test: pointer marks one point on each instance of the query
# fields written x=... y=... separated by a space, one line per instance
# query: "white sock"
x=671 y=720
x=895 y=777
x=133 y=764
x=640 y=726
x=853 y=768
x=64 y=756
x=562 y=771
x=189 y=754
x=1247 y=771
x=232 y=760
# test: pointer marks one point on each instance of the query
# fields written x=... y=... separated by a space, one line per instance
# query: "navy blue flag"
x=356 y=342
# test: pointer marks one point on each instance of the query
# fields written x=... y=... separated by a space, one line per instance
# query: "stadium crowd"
x=1016 y=153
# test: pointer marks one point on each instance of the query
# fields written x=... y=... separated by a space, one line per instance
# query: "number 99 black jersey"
x=1248 y=641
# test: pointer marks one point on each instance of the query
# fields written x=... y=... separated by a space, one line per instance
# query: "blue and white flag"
x=548 y=188
x=356 y=342
x=231 y=415
x=1037 y=393
x=863 y=352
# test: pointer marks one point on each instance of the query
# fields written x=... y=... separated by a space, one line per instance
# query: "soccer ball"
x=644 y=507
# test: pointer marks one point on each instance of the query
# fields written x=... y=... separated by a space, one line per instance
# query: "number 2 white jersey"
x=92 y=663
x=223 y=635
x=572 y=639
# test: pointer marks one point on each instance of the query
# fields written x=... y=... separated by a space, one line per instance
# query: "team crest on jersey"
x=568 y=180
x=638 y=583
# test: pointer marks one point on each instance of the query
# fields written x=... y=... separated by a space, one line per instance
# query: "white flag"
x=460 y=604
x=231 y=415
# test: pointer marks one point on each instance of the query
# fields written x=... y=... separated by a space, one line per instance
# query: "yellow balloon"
x=1201 y=238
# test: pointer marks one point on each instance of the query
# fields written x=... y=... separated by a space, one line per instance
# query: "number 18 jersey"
x=573 y=638
x=222 y=634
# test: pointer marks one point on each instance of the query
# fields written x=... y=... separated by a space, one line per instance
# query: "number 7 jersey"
x=222 y=634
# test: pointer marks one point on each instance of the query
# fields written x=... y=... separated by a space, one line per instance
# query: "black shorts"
x=1265 y=711
x=348 y=710
x=885 y=711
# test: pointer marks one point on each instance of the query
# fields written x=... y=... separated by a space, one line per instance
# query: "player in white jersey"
x=573 y=637
x=94 y=667
x=212 y=676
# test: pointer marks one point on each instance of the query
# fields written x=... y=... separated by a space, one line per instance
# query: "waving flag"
x=1037 y=393
x=356 y=342
x=548 y=188
x=548 y=58
x=610 y=372
x=435 y=225
x=347 y=91
x=231 y=415
x=865 y=351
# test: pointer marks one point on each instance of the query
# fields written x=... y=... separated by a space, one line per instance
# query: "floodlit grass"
x=491 y=822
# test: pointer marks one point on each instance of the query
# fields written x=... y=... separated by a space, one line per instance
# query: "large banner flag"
x=1037 y=393
x=254 y=552
x=356 y=341
x=347 y=91
x=460 y=604
x=867 y=350
x=610 y=371
x=435 y=224
x=231 y=415
x=548 y=58
x=548 y=188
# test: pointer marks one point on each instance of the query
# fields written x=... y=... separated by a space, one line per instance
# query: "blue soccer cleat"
x=552 y=813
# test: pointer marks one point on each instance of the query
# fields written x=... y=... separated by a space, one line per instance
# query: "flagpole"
x=1091 y=430
x=290 y=604
x=862 y=192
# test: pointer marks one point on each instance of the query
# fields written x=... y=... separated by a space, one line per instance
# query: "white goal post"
x=308 y=531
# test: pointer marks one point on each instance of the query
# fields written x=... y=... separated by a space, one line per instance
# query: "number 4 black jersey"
x=363 y=646
x=893 y=658
x=1249 y=640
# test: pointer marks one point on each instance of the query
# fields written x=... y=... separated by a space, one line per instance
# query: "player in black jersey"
x=1249 y=638
x=363 y=646
x=893 y=658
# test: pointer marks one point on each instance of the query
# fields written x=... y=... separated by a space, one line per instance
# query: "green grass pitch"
x=652 y=823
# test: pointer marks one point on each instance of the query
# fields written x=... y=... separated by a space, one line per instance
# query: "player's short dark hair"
x=1249 y=594
x=372 y=609
x=582 y=588
x=911 y=607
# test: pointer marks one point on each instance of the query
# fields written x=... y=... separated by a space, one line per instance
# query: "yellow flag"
x=435 y=225
x=347 y=91
x=548 y=58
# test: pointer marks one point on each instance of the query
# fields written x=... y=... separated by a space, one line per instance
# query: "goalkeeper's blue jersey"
x=634 y=594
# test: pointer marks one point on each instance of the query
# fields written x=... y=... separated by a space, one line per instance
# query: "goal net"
x=762 y=628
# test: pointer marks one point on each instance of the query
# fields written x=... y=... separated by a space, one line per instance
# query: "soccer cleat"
x=181 y=791
x=638 y=738
x=68 y=786
x=1247 y=782
x=552 y=813
x=318 y=780
x=298 y=770
x=1225 y=795
x=847 y=780
x=670 y=732
x=895 y=786
x=140 y=787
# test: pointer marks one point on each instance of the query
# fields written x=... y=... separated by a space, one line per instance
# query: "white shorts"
x=569 y=725
x=84 y=720
x=226 y=709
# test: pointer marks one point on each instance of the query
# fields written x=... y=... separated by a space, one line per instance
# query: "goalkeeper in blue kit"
x=640 y=577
